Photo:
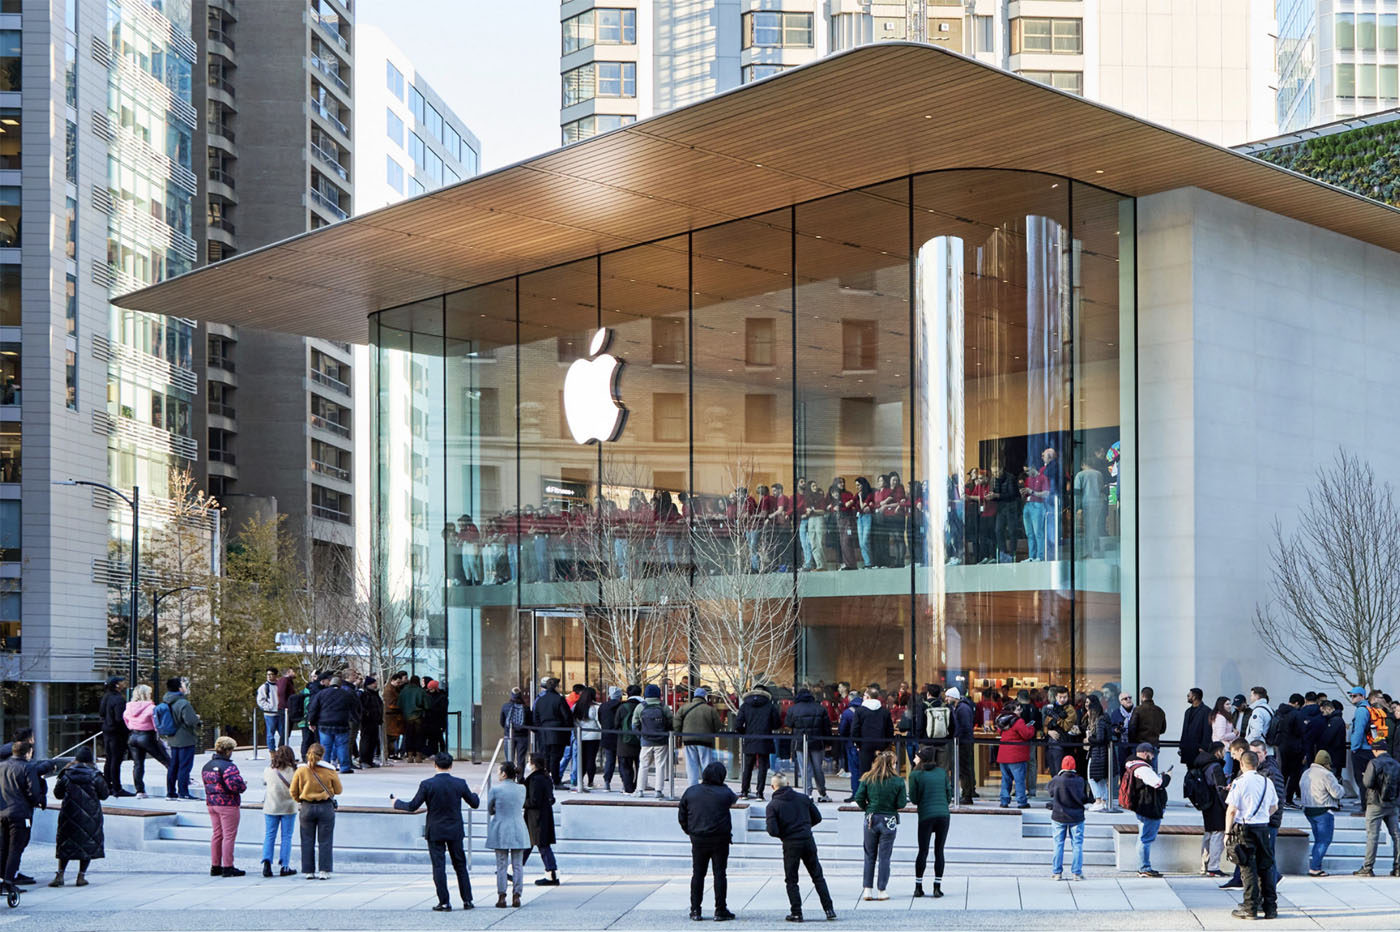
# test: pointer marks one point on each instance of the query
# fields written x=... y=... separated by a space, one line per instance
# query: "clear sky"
x=495 y=62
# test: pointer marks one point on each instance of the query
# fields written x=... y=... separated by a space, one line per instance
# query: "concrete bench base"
x=1178 y=850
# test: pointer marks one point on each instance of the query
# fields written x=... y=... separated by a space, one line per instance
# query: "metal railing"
x=335 y=472
x=328 y=204
x=330 y=161
x=324 y=112
x=332 y=72
x=223 y=456
x=324 y=424
x=330 y=514
x=222 y=84
x=329 y=380
x=221 y=362
x=218 y=35
x=221 y=176
x=218 y=129
x=331 y=26
x=91 y=739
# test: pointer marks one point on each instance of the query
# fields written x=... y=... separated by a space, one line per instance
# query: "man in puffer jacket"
x=758 y=716
x=809 y=722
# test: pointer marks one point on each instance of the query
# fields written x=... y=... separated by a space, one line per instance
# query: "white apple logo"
x=590 y=395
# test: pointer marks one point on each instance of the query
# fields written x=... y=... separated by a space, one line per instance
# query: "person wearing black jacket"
x=757 y=716
x=964 y=730
x=1195 y=728
x=371 y=720
x=608 y=721
x=1312 y=726
x=539 y=818
x=21 y=792
x=444 y=795
x=330 y=713
x=790 y=817
x=704 y=816
x=114 y=734
x=1334 y=738
x=515 y=718
x=872 y=728
x=1290 y=749
x=1210 y=763
x=808 y=721
x=555 y=724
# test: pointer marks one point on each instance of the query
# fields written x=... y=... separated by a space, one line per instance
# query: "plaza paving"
x=129 y=893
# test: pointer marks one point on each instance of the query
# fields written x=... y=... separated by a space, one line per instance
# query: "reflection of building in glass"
x=959 y=415
x=1335 y=60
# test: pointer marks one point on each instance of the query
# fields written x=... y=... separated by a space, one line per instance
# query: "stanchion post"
x=1112 y=801
x=670 y=765
x=806 y=765
x=255 y=733
x=578 y=759
x=957 y=772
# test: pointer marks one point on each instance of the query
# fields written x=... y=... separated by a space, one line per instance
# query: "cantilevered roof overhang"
x=864 y=116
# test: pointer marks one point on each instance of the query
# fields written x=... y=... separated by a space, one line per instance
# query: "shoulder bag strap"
x=312 y=770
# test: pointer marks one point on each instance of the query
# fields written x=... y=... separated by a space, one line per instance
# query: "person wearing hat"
x=554 y=727
x=114 y=733
x=652 y=721
x=1148 y=803
x=1360 y=740
x=810 y=727
x=1069 y=794
x=697 y=722
x=371 y=719
x=964 y=730
x=78 y=836
x=1322 y=797
x=758 y=717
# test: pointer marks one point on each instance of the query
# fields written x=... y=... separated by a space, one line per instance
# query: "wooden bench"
x=1177 y=849
x=955 y=810
x=135 y=813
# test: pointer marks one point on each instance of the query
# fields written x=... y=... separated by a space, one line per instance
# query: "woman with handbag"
x=223 y=797
x=881 y=794
x=279 y=810
x=316 y=788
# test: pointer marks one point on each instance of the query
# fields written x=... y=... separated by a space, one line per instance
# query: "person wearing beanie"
x=652 y=722
x=554 y=724
x=1069 y=795
x=704 y=816
x=758 y=716
x=1204 y=788
x=608 y=722
x=697 y=722
x=629 y=743
x=79 y=831
x=1322 y=796
x=964 y=731
x=810 y=727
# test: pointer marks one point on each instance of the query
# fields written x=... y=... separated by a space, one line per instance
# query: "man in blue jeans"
x=181 y=741
x=271 y=707
x=331 y=713
x=1149 y=803
x=845 y=728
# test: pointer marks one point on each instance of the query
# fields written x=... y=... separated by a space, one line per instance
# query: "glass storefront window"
x=10 y=451
x=892 y=420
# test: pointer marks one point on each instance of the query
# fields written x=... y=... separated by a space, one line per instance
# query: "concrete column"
x=39 y=718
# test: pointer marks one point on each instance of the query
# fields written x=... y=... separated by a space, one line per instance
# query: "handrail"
x=485 y=788
x=92 y=738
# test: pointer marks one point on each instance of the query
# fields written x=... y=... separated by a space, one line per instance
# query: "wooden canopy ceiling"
x=851 y=120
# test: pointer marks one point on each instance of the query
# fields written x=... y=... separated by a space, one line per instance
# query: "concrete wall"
x=1264 y=345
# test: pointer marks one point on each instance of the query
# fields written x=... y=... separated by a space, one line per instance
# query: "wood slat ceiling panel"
x=845 y=122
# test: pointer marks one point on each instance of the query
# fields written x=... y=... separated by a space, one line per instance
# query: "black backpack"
x=1274 y=731
x=296 y=707
x=653 y=722
x=1197 y=789
x=1389 y=790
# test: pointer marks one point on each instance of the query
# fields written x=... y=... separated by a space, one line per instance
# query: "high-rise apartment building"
x=97 y=157
x=407 y=141
x=1205 y=69
x=276 y=94
x=1336 y=59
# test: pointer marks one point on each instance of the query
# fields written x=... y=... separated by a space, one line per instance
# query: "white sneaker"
x=867 y=894
x=324 y=875
x=881 y=895
x=1056 y=877
x=141 y=796
x=313 y=876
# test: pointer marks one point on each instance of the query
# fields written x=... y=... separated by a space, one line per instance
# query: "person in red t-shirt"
x=865 y=518
x=782 y=529
x=816 y=525
x=892 y=510
x=846 y=524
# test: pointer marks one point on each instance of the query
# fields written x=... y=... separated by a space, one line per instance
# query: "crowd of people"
x=844 y=524
x=1244 y=759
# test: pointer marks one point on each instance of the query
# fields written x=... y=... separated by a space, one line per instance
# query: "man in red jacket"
x=1013 y=754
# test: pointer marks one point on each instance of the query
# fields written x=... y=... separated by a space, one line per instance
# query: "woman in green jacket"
x=932 y=791
x=881 y=794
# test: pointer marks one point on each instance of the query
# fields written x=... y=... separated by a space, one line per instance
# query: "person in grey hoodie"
x=182 y=742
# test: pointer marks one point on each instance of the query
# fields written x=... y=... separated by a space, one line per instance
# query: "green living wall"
x=1365 y=160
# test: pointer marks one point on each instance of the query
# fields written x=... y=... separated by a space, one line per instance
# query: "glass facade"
x=891 y=425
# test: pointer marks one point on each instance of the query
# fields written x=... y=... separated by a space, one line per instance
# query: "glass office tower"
x=955 y=341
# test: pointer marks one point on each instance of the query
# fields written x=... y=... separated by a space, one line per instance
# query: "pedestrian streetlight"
x=134 y=502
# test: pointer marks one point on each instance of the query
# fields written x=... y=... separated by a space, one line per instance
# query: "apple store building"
x=770 y=388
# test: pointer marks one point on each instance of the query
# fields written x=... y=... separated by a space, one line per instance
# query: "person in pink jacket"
x=143 y=742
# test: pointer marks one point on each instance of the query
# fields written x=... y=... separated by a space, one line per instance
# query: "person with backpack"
x=223 y=796
x=1204 y=788
x=143 y=742
x=513 y=721
x=931 y=790
x=758 y=717
x=1069 y=795
x=789 y=817
x=810 y=726
x=1252 y=801
x=78 y=835
x=1143 y=791
x=697 y=722
x=1260 y=715
x=703 y=814
x=1381 y=783
x=881 y=795
x=652 y=722
x=1361 y=736
x=1322 y=796
x=964 y=715
x=629 y=742
x=176 y=721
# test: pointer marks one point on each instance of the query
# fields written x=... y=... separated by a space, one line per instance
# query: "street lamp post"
x=134 y=501
x=155 y=628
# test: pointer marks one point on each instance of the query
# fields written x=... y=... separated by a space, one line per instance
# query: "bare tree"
x=1334 y=610
x=630 y=580
x=745 y=610
x=180 y=551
